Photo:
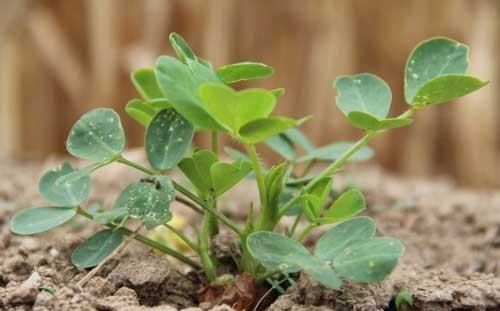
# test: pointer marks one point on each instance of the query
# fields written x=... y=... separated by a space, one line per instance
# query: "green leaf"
x=197 y=169
x=180 y=86
x=70 y=193
x=433 y=58
x=445 y=88
x=140 y=112
x=282 y=145
x=168 y=138
x=366 y=121
x=95 y=249
x=39 y=219
x=370 y=260
x=334 y=151
x=149 y=200
x=363 y=92
x=299 y=138
x=347 y=205
x=261 y=129
x=275 y=181
x=337 y=239
x=244 y=71
x=98 y=135
x=181 y=47
x=144 y=80
x=277 y=252
x=286 y=196
x=110 y=216
x=158 y=104
x=403 y=297
x=234 y=109
x=278 y=92
x=226 y=175
x=316 y=198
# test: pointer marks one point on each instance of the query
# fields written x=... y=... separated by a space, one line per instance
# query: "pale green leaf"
x=336 y=150
x=403 y=297
x=144 y=80
x=446 y=88
x=299 y=138
x=337 y=239
x=181 y=47
x=140 y=112
x=243 y=71
x=70 y=193
x=363 y=92
x=39 y=219
x=278 y=92
x=282 y=145
x=148 y=199
x=234 y=109
x=197 y=169
x=433 y=58
x=370 y=260
x=98 y=135
x=168 y=138
x=226 y=175
x=347 y=205
x=95 y=249
x=261 y=129
x=106 y=217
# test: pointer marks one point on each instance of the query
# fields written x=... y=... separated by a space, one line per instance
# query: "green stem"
x=228 y=222
x=206 y=260
x=332 y=168
x=259 y=175
x=295 y=224
x=162 y=248
x=183 y=237
x=306 y=232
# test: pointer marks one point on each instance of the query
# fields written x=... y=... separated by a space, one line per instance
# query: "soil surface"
x=451 y=262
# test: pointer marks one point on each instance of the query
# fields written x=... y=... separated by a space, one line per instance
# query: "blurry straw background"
x=60 y=58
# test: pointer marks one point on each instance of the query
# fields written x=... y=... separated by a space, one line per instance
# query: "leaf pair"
x=366 y=100
x=245 y=114
x=347 y=250
x=209 y=175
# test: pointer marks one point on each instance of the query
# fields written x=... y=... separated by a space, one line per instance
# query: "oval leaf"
x=349 y=204
x=244 y=71
x=69 y=193
x=168 y=138
x=39 y=219
x=144 y=80
x=370 y=260
x=335 y=240
x=181 y=47
x=445 y=88
x=334 y=151
x=366 y=121
x=433 y=58
x=363 y=92
x=149 y=200
x=234 y=109
x=261 y=129
x=226 y=175
x=98 y=135
x=96 y=248
x=197 y=169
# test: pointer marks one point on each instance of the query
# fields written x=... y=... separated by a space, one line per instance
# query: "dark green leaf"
x=338 y=238
x=433 y=58
x=70 y=193
x=144 y=80
x=370 y=260
x=244 y=71
x=96 y=248
x=39 y=219
x=149 y=200
x=168 y=138
x=445 y=88
x=97 y=136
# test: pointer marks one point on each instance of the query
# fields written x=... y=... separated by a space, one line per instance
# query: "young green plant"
x=184 y=95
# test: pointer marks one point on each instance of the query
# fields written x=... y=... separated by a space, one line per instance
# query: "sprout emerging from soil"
x=184 y=95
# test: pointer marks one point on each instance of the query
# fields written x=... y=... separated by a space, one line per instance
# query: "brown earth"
x=452 y=258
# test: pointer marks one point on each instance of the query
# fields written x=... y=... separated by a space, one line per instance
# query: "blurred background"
x=60 y=58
